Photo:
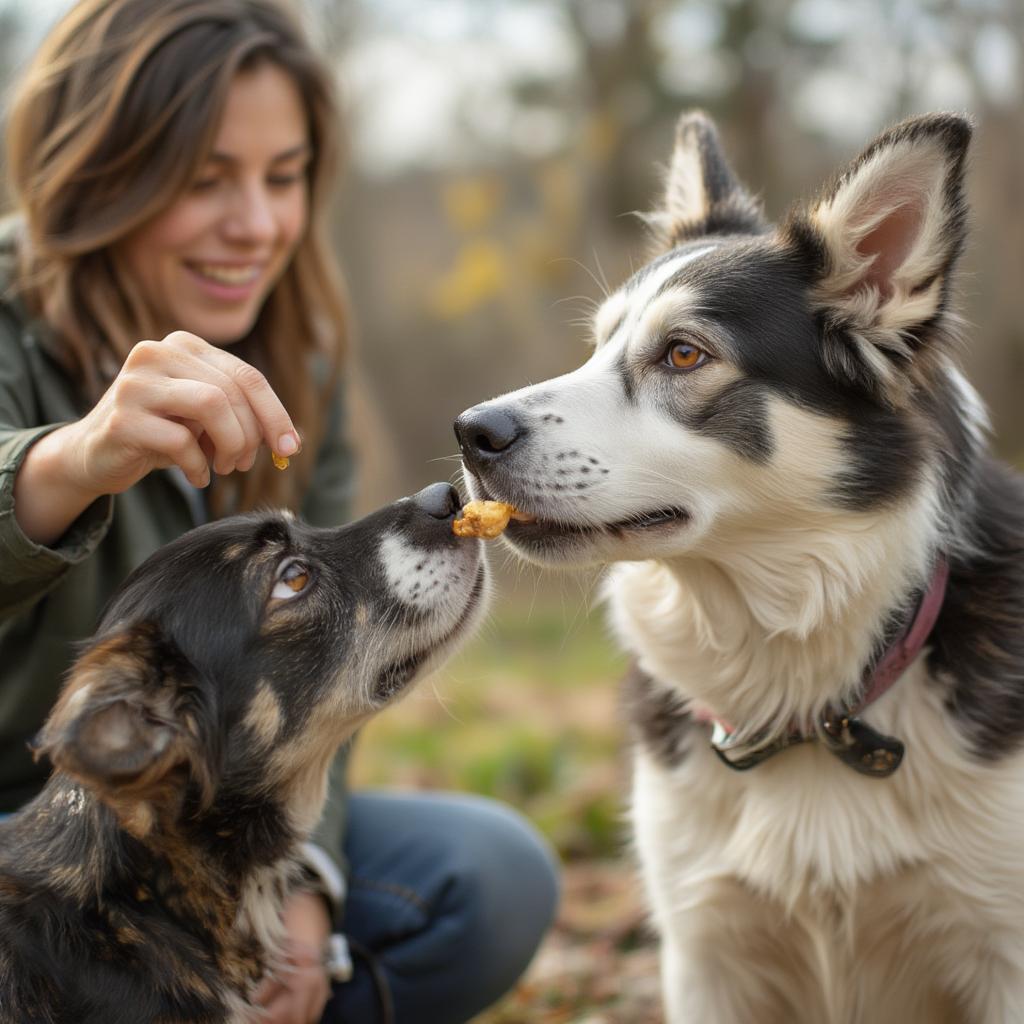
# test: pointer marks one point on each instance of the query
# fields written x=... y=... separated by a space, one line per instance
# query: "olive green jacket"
x=51 y=597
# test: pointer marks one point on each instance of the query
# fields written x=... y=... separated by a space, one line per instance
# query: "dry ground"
x=598 y=965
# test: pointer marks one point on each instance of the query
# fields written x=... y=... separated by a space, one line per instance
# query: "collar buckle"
x=858 y=745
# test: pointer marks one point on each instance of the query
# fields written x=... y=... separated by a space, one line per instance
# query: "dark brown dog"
x=191 y=745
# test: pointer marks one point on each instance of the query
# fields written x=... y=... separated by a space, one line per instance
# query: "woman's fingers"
x=270 y=990
x=278 y=430
x=246 y=386
x=155 y=367
x=299 y=999
x=211 y=409
x=252 y=434
x=172 y=444
x=218 y=408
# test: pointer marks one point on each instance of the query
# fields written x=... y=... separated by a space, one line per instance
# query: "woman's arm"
x=46 y=499
x=34 y=400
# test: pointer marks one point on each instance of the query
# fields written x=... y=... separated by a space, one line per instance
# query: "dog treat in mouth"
x=486 y=519
x=281 y=461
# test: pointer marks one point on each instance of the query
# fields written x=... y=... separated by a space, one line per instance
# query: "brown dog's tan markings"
x=127 y=752
x=264 y=714
x=133 y=752
x=234 y=552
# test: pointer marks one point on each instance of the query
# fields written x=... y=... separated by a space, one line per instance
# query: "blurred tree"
x=12 y=51
x=496 y=145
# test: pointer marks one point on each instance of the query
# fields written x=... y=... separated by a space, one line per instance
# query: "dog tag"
x=856 y=744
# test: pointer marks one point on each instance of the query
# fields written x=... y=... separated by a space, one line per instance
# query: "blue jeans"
x=451 y=895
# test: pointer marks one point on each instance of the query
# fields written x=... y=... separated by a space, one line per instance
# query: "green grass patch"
x=527 y=713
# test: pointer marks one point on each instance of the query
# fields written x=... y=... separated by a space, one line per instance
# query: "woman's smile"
x=226 y=282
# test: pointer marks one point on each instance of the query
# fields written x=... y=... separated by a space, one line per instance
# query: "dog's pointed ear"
x=702 y=194
x=882 y=239
x=122 y=724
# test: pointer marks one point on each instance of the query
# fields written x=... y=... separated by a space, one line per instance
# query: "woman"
x=169 y=161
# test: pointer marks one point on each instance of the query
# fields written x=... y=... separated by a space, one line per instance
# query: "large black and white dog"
x=192 y=742
x=820 y=571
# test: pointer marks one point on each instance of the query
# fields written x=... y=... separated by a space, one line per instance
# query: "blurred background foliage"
x=496 y=148
x=495 y=151
x=499 y=146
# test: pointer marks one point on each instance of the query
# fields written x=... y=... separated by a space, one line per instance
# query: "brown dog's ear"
x=702 y=195
x=883 y=238
x=112 y=744
x=119 y=726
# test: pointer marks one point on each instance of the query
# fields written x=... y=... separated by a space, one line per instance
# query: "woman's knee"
x=504 y=874
x=487 y=885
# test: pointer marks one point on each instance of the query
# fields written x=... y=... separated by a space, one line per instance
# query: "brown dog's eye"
x=681 y=355
x=293 y=580
x=296 y=578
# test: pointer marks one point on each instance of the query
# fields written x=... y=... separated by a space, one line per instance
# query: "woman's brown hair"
x=111 y=123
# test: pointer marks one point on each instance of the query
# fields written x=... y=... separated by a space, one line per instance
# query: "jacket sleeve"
x=329 y=503
x=29 y=570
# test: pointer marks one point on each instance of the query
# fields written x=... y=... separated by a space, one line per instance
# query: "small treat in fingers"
x=485 y=519
x=280 y=461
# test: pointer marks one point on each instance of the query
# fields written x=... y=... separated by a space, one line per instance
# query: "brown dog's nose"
x=486 y=433
x=441 y=501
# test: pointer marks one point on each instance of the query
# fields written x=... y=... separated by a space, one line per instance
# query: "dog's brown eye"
x=681 y=355
x=293 y=580
x=296 y=579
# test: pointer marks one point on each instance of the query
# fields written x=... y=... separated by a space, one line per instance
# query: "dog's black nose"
x=485 y=433
x=441 y=501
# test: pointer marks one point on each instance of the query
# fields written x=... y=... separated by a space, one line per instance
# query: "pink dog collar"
x=854 y=742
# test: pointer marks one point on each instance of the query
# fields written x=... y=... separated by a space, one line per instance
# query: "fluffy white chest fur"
x=810 y=892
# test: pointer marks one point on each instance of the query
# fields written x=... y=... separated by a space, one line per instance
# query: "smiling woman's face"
x=207 y=263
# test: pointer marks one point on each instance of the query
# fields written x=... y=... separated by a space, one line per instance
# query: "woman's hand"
x=177 y=402
x=298 y=992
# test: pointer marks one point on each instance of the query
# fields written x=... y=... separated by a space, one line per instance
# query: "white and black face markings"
x=433 y=597
x=624 y=435
x=752 y=298
x=580 y=425
x=638 y=295
x=665 y=302
x=609 y=318
x=422 y=579
x=973 y=414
